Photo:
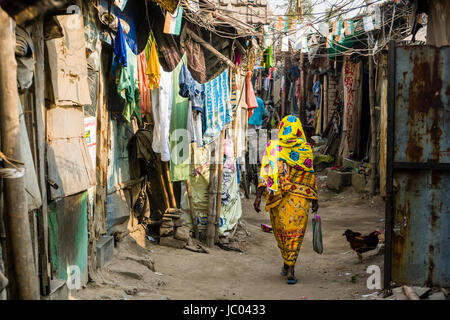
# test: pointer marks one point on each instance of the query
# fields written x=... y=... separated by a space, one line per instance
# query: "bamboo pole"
x=191 y=209
x=219 y=185
x=210 y=228
x=40 y=110
x=163 y=185
x=373 y=146
x=16 y=209
x=170 y=192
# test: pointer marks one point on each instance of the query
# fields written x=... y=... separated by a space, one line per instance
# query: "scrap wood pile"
x=173 y=233
x=418 y=293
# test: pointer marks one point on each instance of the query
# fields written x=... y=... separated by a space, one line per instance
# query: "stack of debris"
x=418 y=293
x=172 y=232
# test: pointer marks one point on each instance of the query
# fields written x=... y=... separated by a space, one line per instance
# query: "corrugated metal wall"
x=421 y=160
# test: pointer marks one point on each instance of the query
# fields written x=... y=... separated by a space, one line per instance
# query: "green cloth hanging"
x=179 y=147
x=269 y=57
x=128 y=87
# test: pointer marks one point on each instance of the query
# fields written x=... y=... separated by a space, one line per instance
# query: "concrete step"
x=58 y=290
x=105 y=250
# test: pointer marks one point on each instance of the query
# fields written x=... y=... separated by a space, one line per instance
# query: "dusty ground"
x=255 y=273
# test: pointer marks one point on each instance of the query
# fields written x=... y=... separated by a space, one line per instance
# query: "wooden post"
x=16 y=209
x=373 y=146
x=40 y=110
x=210 y=228
x=171 y=194
x=325 y=100
x=219 y=185
x=163 y=185
x=191 y=210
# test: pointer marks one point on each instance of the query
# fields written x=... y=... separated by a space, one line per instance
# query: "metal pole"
x=389 y=169
x=16 y=209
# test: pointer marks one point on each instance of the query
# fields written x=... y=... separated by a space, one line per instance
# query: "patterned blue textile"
x=217 y=107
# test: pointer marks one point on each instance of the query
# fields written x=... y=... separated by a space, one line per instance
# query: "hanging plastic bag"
x=317 y=234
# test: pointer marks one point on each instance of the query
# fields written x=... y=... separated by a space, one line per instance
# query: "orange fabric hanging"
x=144 y=91
x=153 y=70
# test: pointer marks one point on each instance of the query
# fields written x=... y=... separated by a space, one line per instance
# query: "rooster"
x=360 y=243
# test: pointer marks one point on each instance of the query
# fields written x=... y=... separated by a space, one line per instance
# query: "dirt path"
x=254 y=274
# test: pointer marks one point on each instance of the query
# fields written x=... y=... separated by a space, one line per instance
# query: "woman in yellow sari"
x=287 y=177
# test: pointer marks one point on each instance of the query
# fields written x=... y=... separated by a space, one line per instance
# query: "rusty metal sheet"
x=421 y=230
x=422 y=93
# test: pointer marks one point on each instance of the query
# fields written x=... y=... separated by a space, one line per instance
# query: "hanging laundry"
x=324 y=29
x=285 y=44
x=189 y=88
x=120 y=4
x=128 y=86
x=305 y=48
x=195 y=56
x=144 y=90
x=162 y=98
x=179 y=145
x=236 y=83
x=172 y=24
x=297 y=88
x=316 y=92
x=330 y=40
x=368 y=24
x=217 y=104
x=269 y=58
x=280 y=24
x=24 y=57
x=348 y=26
x=120 y=51
x=258 y=114
x=251 y=98
x=153 y=67
x=237 y=57
x=267 y=39
x=337 y=26
x=377 y=17
x=276 y=90
x=236 y=133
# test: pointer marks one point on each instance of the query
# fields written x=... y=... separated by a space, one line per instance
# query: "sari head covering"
x=290 y=147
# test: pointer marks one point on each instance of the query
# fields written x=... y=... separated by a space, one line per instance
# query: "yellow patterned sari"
x=288 y=203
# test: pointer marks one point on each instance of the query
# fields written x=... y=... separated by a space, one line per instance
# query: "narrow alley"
x=254 y=273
